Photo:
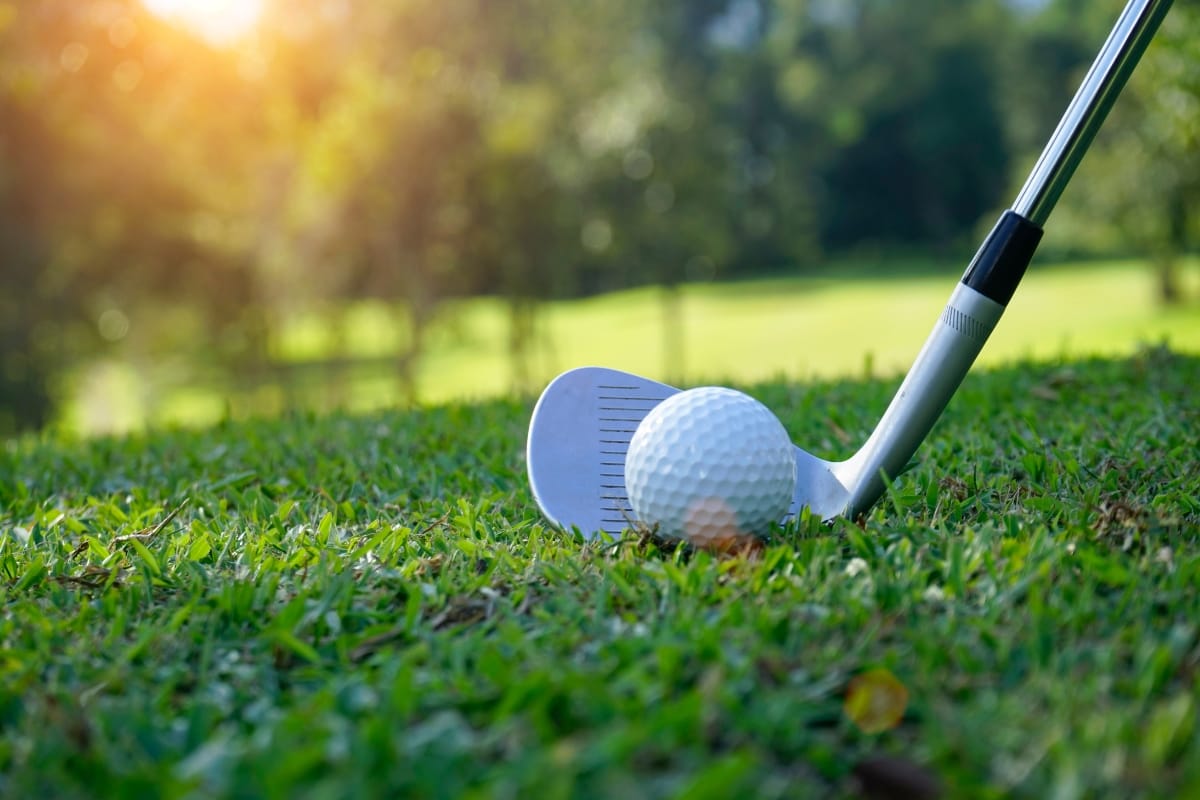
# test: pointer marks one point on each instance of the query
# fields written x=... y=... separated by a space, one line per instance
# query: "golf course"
x=883 y=482
x=364 y=602
x=370 y=604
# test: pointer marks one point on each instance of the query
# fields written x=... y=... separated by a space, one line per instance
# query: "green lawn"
x=830 y=326
x=369 y=605
x=801 y=328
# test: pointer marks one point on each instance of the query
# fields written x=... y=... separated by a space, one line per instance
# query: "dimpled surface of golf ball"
x=710 y=465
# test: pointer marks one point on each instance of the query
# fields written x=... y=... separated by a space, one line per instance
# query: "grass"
x=369 y=605
x=870 y=317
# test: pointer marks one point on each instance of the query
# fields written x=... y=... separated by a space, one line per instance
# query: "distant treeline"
x=162 y=194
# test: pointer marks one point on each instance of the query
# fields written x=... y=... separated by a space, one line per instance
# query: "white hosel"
x=948 y=353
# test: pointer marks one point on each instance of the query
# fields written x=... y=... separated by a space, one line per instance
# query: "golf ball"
x=710 y=465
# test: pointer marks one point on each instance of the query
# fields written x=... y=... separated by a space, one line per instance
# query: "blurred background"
x=215 y=208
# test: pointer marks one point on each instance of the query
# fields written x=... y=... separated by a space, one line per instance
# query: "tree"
x=119 y=195
x=916 y=115
x=26 y=346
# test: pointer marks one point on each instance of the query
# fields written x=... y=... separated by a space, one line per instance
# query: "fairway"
x=853 y=321
x=805 y=328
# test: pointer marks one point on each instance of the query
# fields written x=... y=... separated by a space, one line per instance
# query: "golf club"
x=585 y=418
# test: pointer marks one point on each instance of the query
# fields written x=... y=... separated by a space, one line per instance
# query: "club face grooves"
x=622 y=408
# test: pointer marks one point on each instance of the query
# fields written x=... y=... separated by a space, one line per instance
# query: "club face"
x=580 y=433
x=578 y=438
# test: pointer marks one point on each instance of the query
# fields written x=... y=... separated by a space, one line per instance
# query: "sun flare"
x=219 y=21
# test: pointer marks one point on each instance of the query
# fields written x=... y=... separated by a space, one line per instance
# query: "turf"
x=342 y=606
x=845 y=320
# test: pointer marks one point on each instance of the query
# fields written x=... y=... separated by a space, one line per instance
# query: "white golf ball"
x=710 y=465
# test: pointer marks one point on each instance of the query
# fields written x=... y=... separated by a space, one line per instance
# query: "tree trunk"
x=1167 y=262
x=522 y=320
x=673 y=347
x=420 y=309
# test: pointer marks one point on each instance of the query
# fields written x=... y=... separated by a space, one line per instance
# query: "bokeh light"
x=219 y=21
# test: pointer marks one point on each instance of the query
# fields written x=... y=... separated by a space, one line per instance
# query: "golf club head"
x=579 y=436
x=584 y=420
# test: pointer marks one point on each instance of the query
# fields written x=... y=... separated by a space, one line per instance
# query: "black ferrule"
x=1001 y=261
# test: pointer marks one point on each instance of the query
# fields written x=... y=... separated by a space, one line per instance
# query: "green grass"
x=827 y=326
x=369 y=605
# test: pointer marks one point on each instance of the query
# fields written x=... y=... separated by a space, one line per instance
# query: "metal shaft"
x=1107 y=76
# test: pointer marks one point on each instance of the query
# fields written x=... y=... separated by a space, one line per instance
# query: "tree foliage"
x=162 y=193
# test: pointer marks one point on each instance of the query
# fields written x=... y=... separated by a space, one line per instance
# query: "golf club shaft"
x=989 y=282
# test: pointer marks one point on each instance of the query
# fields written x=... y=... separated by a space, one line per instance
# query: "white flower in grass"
x=856 y=567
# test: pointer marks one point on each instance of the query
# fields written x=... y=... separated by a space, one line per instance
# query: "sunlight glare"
x=219 y=21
